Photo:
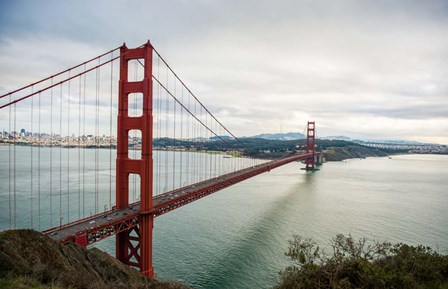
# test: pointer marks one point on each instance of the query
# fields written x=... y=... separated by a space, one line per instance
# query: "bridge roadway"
x=95 y=228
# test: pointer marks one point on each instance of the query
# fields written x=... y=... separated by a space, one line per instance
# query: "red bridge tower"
x=310 y=147
x=134 y=246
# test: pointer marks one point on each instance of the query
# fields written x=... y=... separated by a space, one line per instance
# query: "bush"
x=362 y=264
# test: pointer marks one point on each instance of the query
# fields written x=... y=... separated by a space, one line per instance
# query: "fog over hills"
x=296 y=135
x=280 y=136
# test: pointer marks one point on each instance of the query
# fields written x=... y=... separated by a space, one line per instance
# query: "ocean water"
x=236 y=238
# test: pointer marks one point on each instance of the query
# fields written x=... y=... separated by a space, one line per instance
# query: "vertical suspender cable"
x=212 y=151
x=155 y=134
x=181 y=134
x=220 y=157
x=196 y=173
x=199 y=155
x=213 y=156
x=96 y=138
x=204 y=136
x=9 y=168
x=155 y=127
x=215 y=149
x=84 y=148
x=38 y=167
x=201 y=135
x=174 y=138
x=110 y=130
x=207 y=147
x=68 y=151
x=60 y=155
x=206 y=155
x=51 y=155
x=166 y=133
x=193 y=137
x=15 y=169
x=189 y=139
x=209 y=157
x=79 y=147
x=32 y=160
x=193 y=145
x=159 y=112
x=216 y=153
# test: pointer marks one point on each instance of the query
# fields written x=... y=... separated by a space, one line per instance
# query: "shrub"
x=362 y=264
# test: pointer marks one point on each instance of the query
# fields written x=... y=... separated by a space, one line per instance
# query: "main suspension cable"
x=60 y=73
x=172 y=71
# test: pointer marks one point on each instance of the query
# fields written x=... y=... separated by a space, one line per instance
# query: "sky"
x=363 y=69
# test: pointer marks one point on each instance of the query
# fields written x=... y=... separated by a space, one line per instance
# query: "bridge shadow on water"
x=256 y=255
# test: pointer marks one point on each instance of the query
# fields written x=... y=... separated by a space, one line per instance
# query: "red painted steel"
x=114 y=222
x=133 y=223
x=127 y=251
x=60 y=73
x=81 y=239
x=310 y=162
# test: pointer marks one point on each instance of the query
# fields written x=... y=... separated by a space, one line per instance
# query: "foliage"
x=362 y=264
x=29 y=259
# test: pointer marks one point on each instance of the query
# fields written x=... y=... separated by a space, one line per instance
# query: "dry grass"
x=29 y=259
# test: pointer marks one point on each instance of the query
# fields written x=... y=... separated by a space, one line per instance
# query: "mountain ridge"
x=297 y=136
x=279 y=136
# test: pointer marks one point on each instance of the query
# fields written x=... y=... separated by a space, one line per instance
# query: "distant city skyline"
x=134 y=142
x=24 y=132
x=362 y=69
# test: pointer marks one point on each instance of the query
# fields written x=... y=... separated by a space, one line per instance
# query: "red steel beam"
x=310 y=162
x=125 y=219
x=126 y=252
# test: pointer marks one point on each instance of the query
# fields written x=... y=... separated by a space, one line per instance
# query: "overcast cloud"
x=370 y=69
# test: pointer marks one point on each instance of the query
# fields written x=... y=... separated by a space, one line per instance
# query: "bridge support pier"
x=134 y=246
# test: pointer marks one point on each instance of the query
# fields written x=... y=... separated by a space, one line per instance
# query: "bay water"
x=236 y=238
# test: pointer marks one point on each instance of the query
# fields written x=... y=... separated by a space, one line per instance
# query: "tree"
x=362 y=264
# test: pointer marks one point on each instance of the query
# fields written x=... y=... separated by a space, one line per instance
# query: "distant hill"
x=359 y=141
x=280 y=136
x=221 y=137
x=297 y=136
x=391 y=142
x=336 y=137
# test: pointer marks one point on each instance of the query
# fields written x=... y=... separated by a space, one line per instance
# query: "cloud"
x=361 y=68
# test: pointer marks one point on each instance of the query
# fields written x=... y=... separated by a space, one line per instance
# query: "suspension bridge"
x=82 y=164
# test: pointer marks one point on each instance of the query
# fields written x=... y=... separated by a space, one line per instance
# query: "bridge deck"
x=92 y=229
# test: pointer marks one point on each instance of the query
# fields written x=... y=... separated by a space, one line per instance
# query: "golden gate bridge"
x=125 y=181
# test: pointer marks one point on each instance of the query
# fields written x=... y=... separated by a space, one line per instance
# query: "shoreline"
x=332 y=154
